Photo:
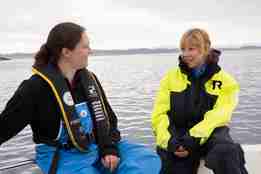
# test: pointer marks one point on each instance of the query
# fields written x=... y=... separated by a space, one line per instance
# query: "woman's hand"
x=110 y=162
x=181 y=152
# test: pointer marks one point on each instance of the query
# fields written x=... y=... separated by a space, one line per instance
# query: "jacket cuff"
x=115 y=135
x=173 y=144
x=189 y=142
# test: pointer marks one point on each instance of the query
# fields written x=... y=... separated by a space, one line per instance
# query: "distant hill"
x=247 y=47
x=4 y=58
x=250 y=47
x=128 y=51
x=17 y=55
x=105 y=52
x=134 y=51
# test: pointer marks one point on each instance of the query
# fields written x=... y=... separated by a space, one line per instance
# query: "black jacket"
x=34 y=103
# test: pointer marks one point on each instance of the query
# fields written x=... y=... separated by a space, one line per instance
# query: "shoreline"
x=119 y=52
x=4 y=58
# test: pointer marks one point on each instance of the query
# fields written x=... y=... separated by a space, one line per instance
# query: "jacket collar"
x=212 y=66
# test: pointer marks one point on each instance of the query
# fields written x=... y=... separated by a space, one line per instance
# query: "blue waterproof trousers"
x=134 y=159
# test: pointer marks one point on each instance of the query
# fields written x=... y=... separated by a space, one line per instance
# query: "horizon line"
x=152 y=48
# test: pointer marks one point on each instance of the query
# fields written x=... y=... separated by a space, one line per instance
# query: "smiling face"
x=194 y=47
x=192 y=56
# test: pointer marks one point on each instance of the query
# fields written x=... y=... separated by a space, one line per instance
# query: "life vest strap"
x=67 y=146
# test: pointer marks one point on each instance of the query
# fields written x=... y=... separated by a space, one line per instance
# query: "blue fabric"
x=70 y=162
x=197 y=72
x=84 y=114
x=134 y=159
x=63 y=139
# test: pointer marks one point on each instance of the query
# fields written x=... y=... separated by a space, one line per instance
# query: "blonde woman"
x=192 y=110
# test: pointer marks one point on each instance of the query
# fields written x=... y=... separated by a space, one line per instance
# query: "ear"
x=66 y=52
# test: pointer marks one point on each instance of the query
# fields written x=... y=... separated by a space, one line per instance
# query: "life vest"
x=66 y=104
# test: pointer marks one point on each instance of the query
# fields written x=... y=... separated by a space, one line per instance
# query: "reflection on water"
x=131 y=83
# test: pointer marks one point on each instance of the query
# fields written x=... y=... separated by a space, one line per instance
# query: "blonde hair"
x=198 y=38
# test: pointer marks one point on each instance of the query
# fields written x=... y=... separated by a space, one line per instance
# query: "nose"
x=90 y=51
x=185 y=53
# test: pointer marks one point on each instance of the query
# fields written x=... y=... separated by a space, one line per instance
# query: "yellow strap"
x=61 y=107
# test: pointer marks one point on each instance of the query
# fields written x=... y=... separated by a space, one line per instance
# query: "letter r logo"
x=217 y=83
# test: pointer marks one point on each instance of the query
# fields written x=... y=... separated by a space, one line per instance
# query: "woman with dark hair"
x=73 y=125
x=192 y=112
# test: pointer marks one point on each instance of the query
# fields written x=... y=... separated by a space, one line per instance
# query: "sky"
x=123 y=24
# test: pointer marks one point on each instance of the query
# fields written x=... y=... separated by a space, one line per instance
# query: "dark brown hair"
x=63 y=35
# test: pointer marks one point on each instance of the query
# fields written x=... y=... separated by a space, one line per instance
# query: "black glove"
x=115 y=135
x=190 y=143
x=173 y=144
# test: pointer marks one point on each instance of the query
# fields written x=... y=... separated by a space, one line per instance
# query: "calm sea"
x=131 y=82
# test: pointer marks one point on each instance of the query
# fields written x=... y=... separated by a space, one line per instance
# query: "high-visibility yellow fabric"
x=220 y=115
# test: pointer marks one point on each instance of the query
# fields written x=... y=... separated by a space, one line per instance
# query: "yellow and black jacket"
x=193 y=107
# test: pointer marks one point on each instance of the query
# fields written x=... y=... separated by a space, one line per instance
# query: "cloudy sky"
x=121 y=24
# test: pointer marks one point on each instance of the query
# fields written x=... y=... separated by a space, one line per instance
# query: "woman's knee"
x=224 y=152
x=137 y=158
